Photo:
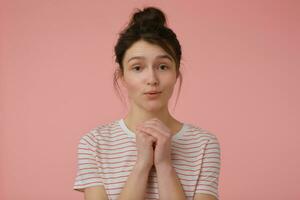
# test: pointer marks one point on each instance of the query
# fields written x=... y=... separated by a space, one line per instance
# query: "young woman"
x=148 y=154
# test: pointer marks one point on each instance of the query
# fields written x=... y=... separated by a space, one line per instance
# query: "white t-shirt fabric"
x=107 y=154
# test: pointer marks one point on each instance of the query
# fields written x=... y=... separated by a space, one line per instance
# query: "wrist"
x=142 y=168
x=164 y=167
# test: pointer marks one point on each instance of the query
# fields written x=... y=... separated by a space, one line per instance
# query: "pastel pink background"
x=241 y=81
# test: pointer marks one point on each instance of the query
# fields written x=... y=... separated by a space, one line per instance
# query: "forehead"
x=146 y=50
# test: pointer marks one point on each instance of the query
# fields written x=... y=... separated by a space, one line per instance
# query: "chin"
x=154 y=107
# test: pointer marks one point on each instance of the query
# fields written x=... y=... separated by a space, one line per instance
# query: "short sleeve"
x=208 y=180
x=87 y=164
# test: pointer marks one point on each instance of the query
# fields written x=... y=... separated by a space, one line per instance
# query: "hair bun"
x=149 y=17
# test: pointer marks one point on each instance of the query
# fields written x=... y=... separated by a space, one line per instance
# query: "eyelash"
x=167 y=67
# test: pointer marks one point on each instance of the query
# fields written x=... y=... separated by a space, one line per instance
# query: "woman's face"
x=147 y=67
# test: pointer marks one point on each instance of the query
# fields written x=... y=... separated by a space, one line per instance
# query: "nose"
x=152 y=77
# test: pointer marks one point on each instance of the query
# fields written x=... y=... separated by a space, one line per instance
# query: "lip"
x=152 y=95
x=152 y=92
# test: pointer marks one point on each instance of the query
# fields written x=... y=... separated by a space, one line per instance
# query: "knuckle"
x=164 y=139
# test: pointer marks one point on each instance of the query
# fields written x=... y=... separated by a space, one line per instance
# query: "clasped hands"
x=161 y=138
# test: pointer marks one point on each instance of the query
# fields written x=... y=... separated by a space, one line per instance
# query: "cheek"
x=133 y=87
x=170 y=91
x=170 y=81
x=170 y=86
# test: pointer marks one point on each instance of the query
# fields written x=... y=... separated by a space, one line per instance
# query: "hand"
x=162 y=134
x=145 y=151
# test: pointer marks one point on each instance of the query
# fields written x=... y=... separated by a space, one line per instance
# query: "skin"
x=151 y=121
x=148 y=67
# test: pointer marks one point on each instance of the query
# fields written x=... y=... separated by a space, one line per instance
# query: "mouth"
x=152 y=94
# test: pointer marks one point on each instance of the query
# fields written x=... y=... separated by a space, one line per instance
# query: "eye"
x=136 y=67
x=163 y=66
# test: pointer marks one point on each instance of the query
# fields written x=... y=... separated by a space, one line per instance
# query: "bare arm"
x=135 y=186
x=171 y=188
x=169 y=184
x=95 y=193
x=200 y=196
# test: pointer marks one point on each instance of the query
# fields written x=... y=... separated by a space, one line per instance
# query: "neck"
x=136 y=116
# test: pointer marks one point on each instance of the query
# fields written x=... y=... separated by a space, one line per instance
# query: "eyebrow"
x=142 y=57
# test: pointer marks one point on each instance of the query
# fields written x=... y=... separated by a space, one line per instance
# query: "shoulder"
x=99 y=132
x=207 y=139
x=195 y=131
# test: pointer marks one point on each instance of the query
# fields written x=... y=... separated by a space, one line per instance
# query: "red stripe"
x=184 y=153
x=86 y=149
x=215 y=182
x=200 y=190
x=190 y=147
x=85 y=154
x=112 y=145
x=92 y=138
x=180 y=144
x=133 y=146
x=87 y=183
x=102 y=147
x=81 y=165
x=118 y=139
x=83 y=168
x=196 y=138
x=120 y=152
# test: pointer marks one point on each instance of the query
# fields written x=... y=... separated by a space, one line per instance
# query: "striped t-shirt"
x=107 y=155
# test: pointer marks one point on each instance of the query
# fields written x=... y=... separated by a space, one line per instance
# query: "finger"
x=152 y=120
x=158 y=129
x=145 y=134
x=153 y=139
x=155 y=119
x=151 y=131
x=159 y=124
